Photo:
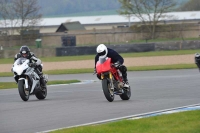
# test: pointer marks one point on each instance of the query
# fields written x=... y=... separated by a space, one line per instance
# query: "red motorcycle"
x=112 y=81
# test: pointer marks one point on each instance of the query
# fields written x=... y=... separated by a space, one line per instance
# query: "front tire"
x=24 y=94
x=127 y=94
x=107 y=90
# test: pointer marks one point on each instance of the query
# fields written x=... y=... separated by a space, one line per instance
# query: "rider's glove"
x=117 y=64
x=32 y=64
x=99 y=76
x=95 y=71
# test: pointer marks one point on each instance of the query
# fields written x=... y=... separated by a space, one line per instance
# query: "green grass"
x=8 y=85
x=184 y=122
x=134 y=68
x=162 y=67
x=161 y=53
x=91 y=57
x=91 y=70
x=6 y=74
x=62 y=82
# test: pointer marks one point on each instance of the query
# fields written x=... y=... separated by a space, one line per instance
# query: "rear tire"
x=24 y=94
x=126 y=95
x=106 y=89
x=41 y=94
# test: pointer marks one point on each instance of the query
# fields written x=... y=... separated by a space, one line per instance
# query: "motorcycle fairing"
x=20 y=65
x=30 y=72
x=103 y=66
x=23 y=72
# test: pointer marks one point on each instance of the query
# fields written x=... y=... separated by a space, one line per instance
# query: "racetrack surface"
x=75 y=104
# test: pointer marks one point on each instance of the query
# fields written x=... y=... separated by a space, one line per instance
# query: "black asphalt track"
x=68 y=105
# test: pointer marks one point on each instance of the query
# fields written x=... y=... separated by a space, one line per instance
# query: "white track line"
x=120 y=118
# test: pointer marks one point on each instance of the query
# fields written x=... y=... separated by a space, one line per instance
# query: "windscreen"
x=20 y=61
x=102 y=60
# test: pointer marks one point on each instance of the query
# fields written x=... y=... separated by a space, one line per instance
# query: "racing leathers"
x=34 y=62
x=116 y=59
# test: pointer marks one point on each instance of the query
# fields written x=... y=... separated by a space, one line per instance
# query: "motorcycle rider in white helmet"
x=103 y=51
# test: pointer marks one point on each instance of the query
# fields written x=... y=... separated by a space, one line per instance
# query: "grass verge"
x=134 y=68
x=162 y=67
x=91 y=57
x=184 y=122
x=8 y=85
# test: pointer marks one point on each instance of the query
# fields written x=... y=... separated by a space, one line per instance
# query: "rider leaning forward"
x=116 y=59
x=34 y=62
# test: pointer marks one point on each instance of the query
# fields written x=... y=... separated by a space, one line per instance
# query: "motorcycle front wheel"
x=24 y=94
x=107 y=90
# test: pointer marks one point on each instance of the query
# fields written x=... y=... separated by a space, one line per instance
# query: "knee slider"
x=40 y=68
x=123 y=68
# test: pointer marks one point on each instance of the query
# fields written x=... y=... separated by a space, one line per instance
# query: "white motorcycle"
x=28 y=80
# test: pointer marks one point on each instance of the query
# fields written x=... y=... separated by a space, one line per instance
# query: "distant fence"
x=94 y=37
x=128 y=48
x=90 y=50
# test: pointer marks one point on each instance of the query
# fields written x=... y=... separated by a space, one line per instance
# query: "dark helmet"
x=24 y=51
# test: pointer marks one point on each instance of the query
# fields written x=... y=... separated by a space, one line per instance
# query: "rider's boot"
x=42 y=81
x=125 y=80
x=123 y=70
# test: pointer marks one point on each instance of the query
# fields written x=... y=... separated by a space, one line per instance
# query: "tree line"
x=65 y=7
x=19 y=13
x=26 y=14
x=151 y=12
x=191 y=5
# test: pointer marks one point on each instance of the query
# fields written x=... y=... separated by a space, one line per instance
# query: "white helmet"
x=102 y=51
x=197 y=55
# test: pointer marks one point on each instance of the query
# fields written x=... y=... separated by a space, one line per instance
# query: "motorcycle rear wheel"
x=41 y=94
x=24 y=94
x=127 y=94
x=107 y=90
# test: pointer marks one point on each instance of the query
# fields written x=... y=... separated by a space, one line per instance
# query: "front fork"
x=26 y=81
x=110 y=77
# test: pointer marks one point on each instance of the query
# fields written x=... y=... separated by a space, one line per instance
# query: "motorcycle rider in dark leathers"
x=197 y=60
x=103 y=51
x=34 y=62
